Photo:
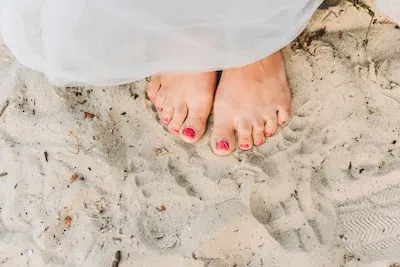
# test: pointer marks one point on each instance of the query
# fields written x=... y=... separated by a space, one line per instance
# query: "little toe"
x=223 y=139
x=160 y=99
x=194 y=127
x=283 y=115
x=270 y=126
x=179 y=116
x=152 y=88
x=258 y=134
x=244 y=132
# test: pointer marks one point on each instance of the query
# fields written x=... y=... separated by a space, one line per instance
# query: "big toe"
x=194 y=126
x=223 y=139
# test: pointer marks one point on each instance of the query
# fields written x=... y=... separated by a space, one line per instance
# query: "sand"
x=325 y=191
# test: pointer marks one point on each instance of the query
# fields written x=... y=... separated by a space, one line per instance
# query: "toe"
x=283 y=115
x=244 y=132
x=179 y=115
x=223 y=139
x=167 y=114
x=194 y=126
x=152 y=87
x=271 y=125
x=258 y=133
x=160 y=99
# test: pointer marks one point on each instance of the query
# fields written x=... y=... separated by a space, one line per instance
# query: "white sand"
x=325 y=191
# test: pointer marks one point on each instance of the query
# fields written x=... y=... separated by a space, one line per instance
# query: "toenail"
x=160 y=108
x=174 y=130
x=166 y=120
x=260 y=142
x=222 y=145
x=268 y=134
x=151 y=98
x=244 y=146
x=283 y=122
x=189 y=132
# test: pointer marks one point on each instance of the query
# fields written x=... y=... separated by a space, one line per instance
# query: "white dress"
x=103 y=42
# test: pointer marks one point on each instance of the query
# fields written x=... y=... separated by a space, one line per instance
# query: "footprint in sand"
x=181 y=202
x=185 y=226
x=366 y=193
x=357 y=171
x=294 y=134
x=284 y=201
x=298 y=223
x=370 y=225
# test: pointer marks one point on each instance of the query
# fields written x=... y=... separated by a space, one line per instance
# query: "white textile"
x=105 y=42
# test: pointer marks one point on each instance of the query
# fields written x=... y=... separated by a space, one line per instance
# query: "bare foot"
x=184 y=102
x=250 y=101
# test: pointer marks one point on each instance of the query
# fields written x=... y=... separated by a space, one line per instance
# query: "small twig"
x=304 y=40
x=365 y=42
x=71 y=134
x=117 y=259
x=360 y=4
x=329 y=13
x=4 y=108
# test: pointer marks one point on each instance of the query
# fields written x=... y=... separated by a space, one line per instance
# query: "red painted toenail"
x=166 y=120
x=268 y=134
x=189 y=132
x=159 y=108
x=244 y=146
x=174 y=131
x=151 y=99
x=260 y=142
x=283 y=122
x=222 y=145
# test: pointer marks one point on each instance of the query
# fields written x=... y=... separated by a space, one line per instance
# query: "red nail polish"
x=222 y=145
x=260 y=142
x=159 y=108
x=151 y=99
x=174 y=130
x=283 y=122
x=244 y=146
x=189 y=132
x=268 y=134
x=166 y=120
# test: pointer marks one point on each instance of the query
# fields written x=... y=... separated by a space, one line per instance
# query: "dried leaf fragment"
x=88 y=115
x=162 y=208
x=68 y=221
x=74 y=177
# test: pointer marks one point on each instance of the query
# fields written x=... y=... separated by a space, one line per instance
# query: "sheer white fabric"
x=390 y=7
x=105 y=42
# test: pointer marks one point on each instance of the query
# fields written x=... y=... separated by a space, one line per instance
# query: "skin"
x=250 y=102
x=184 y=102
